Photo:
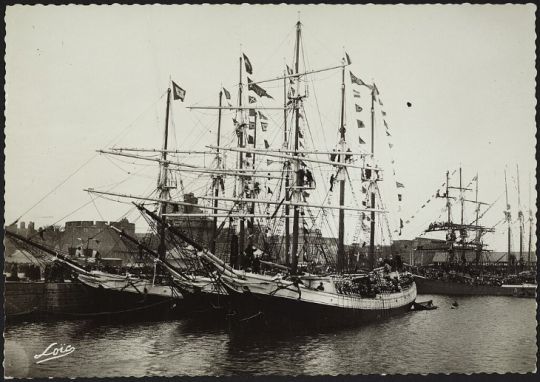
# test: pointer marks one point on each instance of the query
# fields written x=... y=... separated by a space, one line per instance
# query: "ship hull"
x=286 y=308
x=452 y=288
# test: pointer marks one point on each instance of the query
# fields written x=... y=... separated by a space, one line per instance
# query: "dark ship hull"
x=271 y=311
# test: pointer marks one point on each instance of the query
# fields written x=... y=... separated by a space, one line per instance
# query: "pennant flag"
x=360 y=124
x=250 y=140
x=385 y=124
x=400 y=223
x=227 y=94
x=289 y=70
x=364 y=190
x=300 y=135
x=270 y=191
x=264 y=126
x=390 y=145
x=348 y=59
x=388 y=134
x=266 y=144
x=300 y=144
x=249 y=68
x=178 y=92
x=268 y=163
x=258 y=90
x=262 y=116
x=252 y=99
x=252 y=125
x=399 y=185
x=361 y=141
x=356 y=94
x=358 y=81
x=380 y=102
x=358 y=108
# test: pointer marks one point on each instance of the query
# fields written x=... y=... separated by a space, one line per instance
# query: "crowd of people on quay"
x=472 y=274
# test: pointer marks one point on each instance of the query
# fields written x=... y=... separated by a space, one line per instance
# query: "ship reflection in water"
x=485 y=334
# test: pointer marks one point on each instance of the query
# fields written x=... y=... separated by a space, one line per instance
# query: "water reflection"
x=485 y=334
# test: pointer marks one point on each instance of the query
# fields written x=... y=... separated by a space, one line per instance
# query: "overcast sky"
x=81 y=78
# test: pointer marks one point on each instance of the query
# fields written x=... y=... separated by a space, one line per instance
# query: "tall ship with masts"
x=467 y=267
x=257 y=207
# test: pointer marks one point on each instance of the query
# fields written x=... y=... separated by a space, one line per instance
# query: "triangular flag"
x=358 y=108
x=249 y=68
x=360 y=124
x=257 y=89
x=227 y=94
x=178 y=92
x=358 y=81
x=289 y=70
x=348 y=59
x=266 y=144
x=361 y=141
x=262 y=116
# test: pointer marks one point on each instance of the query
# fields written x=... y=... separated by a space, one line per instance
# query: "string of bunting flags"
x=436 y=194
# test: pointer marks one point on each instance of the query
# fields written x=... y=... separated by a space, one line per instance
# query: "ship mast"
x=299 y=180
x=217 y=179
x=450 y=233
x=163 y=188
x=341 y=226
x=508 y=218
x=286 y=169
x=372 y=196
x=520 y=217
x=241 y=165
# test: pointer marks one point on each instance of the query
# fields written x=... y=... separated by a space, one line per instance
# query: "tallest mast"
x=372 y=194
x=299 y=180
x=341 y=227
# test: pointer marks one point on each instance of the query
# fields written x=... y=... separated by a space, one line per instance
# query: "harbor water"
x=483 y=334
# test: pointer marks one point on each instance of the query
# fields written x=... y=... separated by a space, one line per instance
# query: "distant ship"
x=464 y=271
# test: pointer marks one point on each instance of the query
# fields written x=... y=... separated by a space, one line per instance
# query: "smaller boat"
x=424 y=305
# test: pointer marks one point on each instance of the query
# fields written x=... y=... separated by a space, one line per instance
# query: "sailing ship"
x=112 y=294
x=296 y=297
x=465 y=270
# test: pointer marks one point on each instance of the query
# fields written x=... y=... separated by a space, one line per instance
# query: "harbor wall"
x=40 y=298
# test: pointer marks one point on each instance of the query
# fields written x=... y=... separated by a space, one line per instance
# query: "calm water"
x=485 y=334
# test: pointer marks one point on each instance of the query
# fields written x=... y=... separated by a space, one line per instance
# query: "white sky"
x=81 y=78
